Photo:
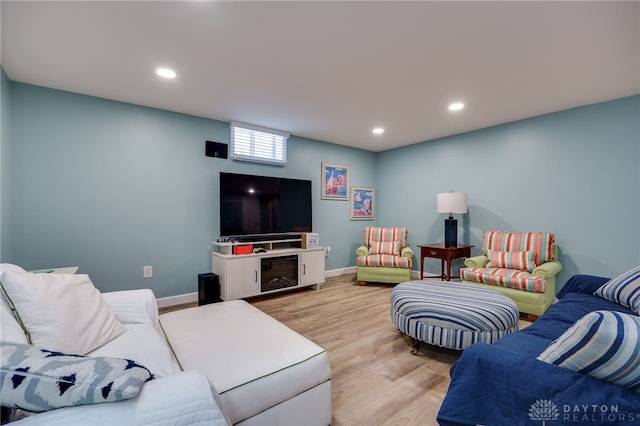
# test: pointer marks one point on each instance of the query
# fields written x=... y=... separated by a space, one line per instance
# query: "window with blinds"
x=258 y=144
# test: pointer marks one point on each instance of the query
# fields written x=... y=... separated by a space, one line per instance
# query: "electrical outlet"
x=147 y=271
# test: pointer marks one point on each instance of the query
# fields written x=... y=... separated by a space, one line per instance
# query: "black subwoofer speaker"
x=208 y=289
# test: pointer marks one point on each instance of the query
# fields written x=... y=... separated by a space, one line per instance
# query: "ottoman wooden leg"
x=415 y=346
x=362 y=282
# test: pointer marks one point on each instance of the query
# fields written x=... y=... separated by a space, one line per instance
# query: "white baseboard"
x=341 y=271
x=181 y=299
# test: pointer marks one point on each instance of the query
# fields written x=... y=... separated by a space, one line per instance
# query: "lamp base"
x=451 y=232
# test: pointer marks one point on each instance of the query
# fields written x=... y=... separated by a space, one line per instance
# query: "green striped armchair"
x=384 y=256
x=520 y=265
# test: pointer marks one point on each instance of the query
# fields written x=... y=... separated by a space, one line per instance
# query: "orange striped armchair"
x=521 y=265
x=384 y=256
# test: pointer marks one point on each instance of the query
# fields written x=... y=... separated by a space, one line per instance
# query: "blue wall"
x=5 y=164
x=112 y=187
x=574 y=173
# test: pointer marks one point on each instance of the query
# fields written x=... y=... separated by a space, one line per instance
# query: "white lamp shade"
x=452 y=202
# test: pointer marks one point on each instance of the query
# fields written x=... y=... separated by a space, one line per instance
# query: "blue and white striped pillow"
x=623 y=289
x=603 y=344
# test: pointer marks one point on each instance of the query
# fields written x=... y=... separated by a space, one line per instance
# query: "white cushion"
x=133 y=306
x=269 y=363
x=61 y=312
x=9 y=267
x=144 y=344
x=10 y=329
x=180 y=400
x=188 y=400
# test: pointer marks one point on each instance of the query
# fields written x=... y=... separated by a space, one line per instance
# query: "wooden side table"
x=445 y=254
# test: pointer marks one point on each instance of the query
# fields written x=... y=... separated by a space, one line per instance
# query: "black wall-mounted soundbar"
x=263 y=237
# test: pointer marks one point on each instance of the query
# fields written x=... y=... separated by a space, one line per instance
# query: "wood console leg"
x=415 y=346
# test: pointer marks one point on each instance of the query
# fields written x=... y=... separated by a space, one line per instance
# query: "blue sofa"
x=504 y=383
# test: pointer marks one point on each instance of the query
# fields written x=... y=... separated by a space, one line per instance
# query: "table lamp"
x=451 y=202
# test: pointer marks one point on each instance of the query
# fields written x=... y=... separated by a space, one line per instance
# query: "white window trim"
x=243 y=157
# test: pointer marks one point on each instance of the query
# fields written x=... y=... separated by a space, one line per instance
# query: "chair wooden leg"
x=362 y=282
x=532 y=317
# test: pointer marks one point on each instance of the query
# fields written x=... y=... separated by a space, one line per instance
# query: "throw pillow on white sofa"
x=10 y=329
x=61 y=312
x=37 y=380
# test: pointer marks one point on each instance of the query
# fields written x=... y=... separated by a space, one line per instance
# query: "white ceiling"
x=333 y=70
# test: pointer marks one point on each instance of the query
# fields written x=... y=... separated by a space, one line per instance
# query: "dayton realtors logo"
x=545 y=410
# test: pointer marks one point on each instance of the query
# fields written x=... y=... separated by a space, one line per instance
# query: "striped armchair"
x=521 y=265
x=384 y=256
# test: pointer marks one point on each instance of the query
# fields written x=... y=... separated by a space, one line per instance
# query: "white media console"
x=283 y=265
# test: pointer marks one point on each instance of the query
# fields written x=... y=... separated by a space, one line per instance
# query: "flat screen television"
x=263 y=207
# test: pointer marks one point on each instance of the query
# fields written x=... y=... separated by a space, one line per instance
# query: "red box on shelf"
x=243 y=249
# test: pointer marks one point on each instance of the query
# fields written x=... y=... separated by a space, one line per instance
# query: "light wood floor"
x=375 y=379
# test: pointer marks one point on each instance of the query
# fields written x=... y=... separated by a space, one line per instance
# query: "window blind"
x=259 y=144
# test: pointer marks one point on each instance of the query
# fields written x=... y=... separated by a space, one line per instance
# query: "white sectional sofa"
x=223 y=363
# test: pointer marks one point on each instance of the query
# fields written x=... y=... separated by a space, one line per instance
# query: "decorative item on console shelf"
x=310 y=240
x=243 y=248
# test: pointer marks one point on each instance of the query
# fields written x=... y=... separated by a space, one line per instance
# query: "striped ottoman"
x=452 y=315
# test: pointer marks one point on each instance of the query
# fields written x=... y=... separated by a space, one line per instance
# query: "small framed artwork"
x=362 y=206
x=335 y=181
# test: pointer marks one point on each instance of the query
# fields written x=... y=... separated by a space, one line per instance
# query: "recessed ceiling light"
x=456 y=106
x=166 y=73
x=378 y=131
